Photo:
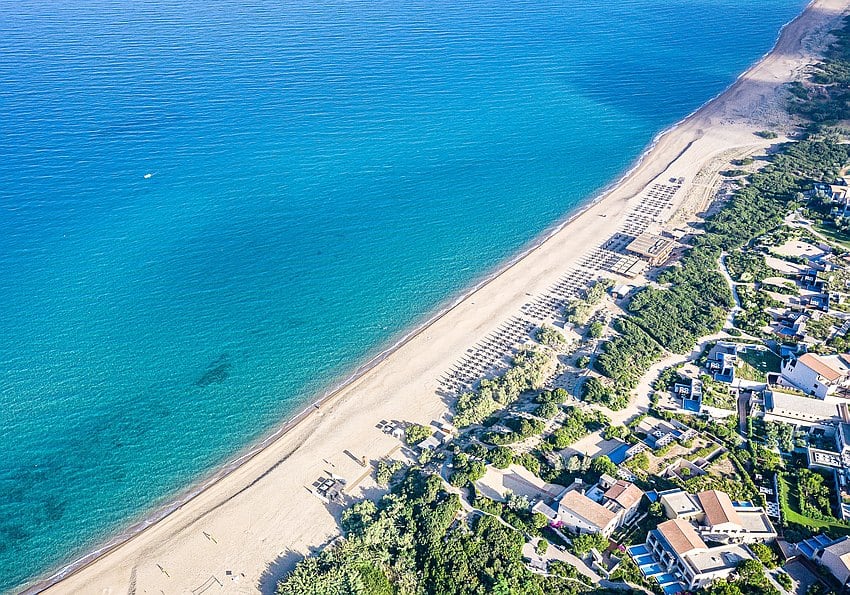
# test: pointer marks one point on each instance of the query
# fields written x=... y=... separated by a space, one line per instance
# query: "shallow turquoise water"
x=324 y=174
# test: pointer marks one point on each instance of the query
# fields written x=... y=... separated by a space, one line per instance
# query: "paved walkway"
x=556 y=553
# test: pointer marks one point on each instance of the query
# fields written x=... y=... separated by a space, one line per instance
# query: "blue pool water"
x=645 y=559
x=651 y=570
x=663 y=579
x=638 y=550
x=212 y=210
x=673 y=588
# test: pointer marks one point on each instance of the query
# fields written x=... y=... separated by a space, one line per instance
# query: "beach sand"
x=249 y=527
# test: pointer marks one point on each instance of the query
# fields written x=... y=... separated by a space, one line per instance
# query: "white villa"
x=678 y=548
x=601 y=509
x=817 y=375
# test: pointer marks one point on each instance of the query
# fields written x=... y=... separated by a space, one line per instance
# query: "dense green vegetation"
x=582 y=544
x=747 y=267
x=521 y=428
x=550 y=337
x=528 y=372
x=416 y=433
x=466 y=470
x=754 y=315
x=750 y=579
x=385 y=471
x=547 y=410
x=594 y=391
x=501 y=457
x=693 y=304
x=627 y=356
x=793 y=515
x=825 y=98
x=579 y=422
x=693 y=298
x=418 y=539
x=412 y=542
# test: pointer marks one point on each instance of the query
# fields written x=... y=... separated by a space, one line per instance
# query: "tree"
x=547 y=410
x=582 y=544
x=603 y=465
x=416 y=433
x=515 y=502
x=385 y=472
x=595 y=330
x=612 y=432
x=550 y=337
x=751 y=573
x=722 y=586
x=640 y=460
x=356 y=518
x=501 y=457
x=656 y=510
x=477 y=450
x=541 y=547
x=582 y=361
x=784 y=579
x=539 y=520
x=593 y=391
x=765 y=555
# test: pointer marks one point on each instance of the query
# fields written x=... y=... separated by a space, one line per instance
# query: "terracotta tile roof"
x=718 y=508
x=681 y=536
x=624 y=493
x=581 y=505
x=813 y=362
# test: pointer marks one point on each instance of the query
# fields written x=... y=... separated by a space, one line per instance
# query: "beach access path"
x=250 y=527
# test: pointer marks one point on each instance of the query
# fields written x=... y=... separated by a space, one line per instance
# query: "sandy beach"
x=255 y=520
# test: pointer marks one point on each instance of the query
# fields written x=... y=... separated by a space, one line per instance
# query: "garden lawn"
x=760 y=363
x=791 y=515
x=832 y=234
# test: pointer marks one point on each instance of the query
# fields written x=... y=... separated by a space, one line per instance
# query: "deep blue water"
x=324 y=174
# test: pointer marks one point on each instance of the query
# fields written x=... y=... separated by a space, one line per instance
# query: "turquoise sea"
x=323 y=175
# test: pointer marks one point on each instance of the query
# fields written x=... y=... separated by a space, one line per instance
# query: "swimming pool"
x=673 y=588
x=644 y=560
x=665 y=578
x=651 y=569
x=638 y=550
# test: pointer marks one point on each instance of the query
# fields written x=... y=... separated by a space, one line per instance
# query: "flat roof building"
x=653 y=248
x=836 y=558
x=799 y=409
x=678 y=504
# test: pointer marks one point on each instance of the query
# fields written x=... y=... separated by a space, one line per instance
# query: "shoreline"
x=646 y=164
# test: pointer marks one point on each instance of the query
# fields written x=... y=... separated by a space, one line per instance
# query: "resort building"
x=836 y=558
x=838 y=193
x=690 y=393
x=799 y=410
x=601 y=509
x=659 y=433
x=726 y=522
x=842 y=440
x=716 y=518
x=677 y=549
x=652 y=248
x=721 y=362
x=678 y=504
x=628 y=496
x=580 y=514
x=817 y=375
